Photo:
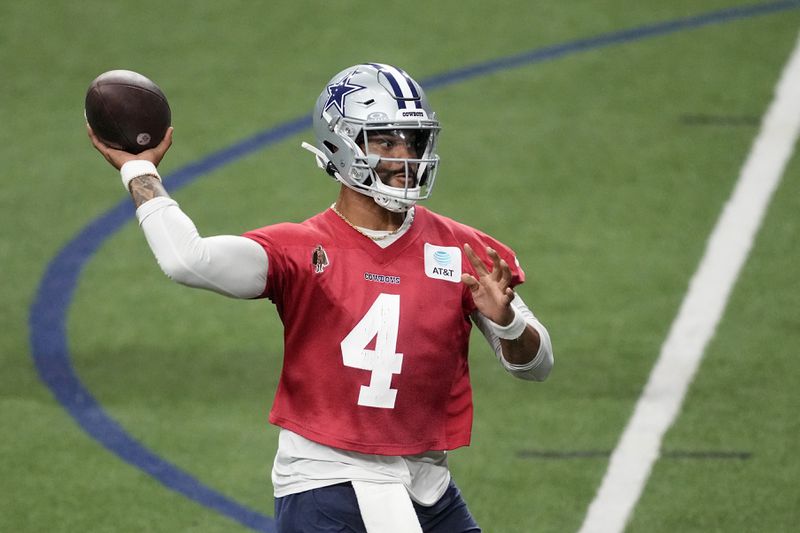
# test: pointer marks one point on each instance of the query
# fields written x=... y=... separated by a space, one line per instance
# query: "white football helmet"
x=363 y=100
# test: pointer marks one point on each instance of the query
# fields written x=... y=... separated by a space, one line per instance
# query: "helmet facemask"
x=396 y=165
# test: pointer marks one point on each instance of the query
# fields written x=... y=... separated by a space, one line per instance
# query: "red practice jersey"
x=375 y=340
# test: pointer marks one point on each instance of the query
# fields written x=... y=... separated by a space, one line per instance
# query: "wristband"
x=134 y=169
x=512 y=331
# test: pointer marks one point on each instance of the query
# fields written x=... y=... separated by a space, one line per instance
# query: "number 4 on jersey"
x=380 y=323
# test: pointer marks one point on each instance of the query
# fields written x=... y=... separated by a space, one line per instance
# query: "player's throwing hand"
x=119 y=157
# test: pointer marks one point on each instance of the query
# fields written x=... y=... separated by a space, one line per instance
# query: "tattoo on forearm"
x=145 y=188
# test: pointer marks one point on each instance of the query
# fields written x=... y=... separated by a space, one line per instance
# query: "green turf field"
x=605 y=168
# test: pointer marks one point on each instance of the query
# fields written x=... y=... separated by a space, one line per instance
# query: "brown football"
x=127 y=111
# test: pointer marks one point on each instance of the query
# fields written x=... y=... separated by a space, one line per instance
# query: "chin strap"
x=392 y=204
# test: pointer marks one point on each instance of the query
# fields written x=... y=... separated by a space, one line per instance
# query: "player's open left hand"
x=491 y=290
x=119 y=157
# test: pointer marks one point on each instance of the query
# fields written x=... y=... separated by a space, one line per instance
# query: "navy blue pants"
x=334 y=509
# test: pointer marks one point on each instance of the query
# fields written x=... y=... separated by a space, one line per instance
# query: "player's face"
x=392 y=146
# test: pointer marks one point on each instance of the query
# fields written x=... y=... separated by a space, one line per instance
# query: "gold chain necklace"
x=367 y=235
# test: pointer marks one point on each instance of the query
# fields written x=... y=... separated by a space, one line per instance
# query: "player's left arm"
x=538 y=368
x=522 y=343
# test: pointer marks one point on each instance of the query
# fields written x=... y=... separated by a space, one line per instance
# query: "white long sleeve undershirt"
x=231 y=265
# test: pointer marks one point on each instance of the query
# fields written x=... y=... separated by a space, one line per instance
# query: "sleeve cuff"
x=513 y=330
x=134 y=169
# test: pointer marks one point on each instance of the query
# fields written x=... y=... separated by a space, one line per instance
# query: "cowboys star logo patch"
x=340 y=90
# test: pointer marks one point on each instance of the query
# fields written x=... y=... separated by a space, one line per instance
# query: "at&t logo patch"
x=443 y=262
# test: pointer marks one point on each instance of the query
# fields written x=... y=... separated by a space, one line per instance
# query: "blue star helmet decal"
x=338 y=91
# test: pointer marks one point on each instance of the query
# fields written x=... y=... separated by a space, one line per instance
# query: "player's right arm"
x=231 y=265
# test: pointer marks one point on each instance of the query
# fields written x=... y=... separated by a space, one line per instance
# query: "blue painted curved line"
x=634 y=34
x=48 y=312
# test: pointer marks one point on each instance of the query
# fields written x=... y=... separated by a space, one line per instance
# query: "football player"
x=377 y=296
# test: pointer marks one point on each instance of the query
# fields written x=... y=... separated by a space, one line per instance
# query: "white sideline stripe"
x=702 y=307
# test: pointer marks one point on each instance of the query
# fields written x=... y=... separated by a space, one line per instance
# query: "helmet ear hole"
x=330 y=146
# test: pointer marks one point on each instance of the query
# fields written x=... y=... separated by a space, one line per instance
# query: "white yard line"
x=701 y=310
